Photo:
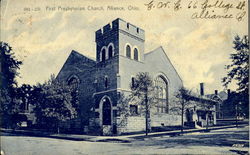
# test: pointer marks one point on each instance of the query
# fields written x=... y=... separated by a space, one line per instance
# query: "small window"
x=136 y=57
x=106 y=82
x=127 y=25
x=128 y=51
x=103 y=54
x=110 y=51
x=137 y=30
x=133 y=110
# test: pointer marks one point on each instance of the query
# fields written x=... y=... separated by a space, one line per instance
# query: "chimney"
x=201 y=89
x=216 y=92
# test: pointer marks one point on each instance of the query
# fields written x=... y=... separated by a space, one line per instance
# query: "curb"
x=119 y=139
x=174 y=133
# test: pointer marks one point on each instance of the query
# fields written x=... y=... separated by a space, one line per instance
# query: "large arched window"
x=162 y=94
x=73 y=82
x=110 y=51
x=136 y=54
x=128 y=51
x=103 y=54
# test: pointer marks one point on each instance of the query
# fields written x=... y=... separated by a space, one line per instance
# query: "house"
x=220 y=98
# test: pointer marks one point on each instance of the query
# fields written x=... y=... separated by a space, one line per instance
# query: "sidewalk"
x=117 y=139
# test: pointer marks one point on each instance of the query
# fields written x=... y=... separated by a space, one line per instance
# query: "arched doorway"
x=106 y=115
x=106 y=112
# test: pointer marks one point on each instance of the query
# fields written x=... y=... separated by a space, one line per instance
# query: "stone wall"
x=134 y=124
x=137 y=123
x=165 y=120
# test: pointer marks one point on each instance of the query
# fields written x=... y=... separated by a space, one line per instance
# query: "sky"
x=198 y=48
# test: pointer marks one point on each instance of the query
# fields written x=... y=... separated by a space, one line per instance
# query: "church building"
x=120 y=55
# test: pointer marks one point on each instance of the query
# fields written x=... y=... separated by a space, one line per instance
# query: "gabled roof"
x=221 y=95
x=78 y=60
x=81 y=55
x=202 y=99
x=160 y=49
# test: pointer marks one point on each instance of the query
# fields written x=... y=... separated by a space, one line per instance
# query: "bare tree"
x=206 y=105
x=143 y=93
x=183 y=97
x=123 y=109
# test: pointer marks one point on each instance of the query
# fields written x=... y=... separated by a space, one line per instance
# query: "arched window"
x=73 y=83
x=136 y=54
x=128 y=51
x=103 y=53
x=162 y=94
x=111 y=51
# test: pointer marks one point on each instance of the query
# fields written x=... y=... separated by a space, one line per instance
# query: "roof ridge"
x=160 y=47
x=152 y=51
x=76 y=52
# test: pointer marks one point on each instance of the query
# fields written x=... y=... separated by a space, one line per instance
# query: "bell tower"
x=119 y=38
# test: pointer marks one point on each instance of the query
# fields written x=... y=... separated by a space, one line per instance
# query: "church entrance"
x=106 y=112
x=106 y=116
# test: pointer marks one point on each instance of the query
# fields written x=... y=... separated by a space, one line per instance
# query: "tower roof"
x=121 y=26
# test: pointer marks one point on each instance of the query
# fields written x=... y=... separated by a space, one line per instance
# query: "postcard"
x=124 y=77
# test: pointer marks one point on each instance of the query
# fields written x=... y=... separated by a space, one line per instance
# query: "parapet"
x=123 y=26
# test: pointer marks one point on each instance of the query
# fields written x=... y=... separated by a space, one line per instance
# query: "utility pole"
x=237 y=112
x=146 y=115
x=182 y=114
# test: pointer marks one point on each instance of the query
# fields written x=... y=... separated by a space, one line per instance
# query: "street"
x=224 y=141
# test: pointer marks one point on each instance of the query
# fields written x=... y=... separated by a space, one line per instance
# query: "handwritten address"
x=204 y=9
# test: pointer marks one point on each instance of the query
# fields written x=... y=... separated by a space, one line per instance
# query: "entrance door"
x=106 y=112
x=106 y=117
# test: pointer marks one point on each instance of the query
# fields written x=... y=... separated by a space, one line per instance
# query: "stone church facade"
x=120 y=55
